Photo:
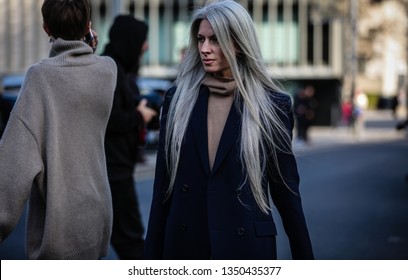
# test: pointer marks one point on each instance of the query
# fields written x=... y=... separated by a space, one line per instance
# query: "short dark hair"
x=67 y=19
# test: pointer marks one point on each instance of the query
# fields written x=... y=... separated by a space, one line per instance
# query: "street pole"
x=354 y=37
x=117 y=8
x=406 y=67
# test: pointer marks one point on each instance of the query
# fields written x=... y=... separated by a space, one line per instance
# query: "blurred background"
x=338 y=46
x=351 y=53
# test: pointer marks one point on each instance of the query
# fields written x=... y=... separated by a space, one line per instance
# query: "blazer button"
x=241 y=231
x=185 y=188
x=183 y=227
x=239 y=192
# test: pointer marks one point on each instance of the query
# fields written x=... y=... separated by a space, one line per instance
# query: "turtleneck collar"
x=70 y=53
x=219 y=85
x=61 y=46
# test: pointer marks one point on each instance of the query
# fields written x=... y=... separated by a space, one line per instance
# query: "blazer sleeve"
x=153 y=248
x=285 y=191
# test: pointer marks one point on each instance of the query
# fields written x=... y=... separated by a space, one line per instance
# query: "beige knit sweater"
x=219 y=105
x=52 y=152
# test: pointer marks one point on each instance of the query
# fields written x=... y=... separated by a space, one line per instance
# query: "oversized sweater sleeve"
x=20 y=162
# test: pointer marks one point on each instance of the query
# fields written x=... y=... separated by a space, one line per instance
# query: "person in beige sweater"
x=52 y=150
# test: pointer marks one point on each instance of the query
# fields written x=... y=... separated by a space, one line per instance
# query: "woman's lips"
x=208 y=61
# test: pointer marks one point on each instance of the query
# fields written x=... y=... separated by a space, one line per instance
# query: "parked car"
x=149 y=84
x=151 y=88
x=10 y=86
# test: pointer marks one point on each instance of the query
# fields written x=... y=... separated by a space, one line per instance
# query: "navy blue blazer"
x=212 y=213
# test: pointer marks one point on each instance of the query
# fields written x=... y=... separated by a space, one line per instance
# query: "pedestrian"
x=402 y=124
x=359 y=110
x=225 y=144
x=52 y=151
x=347 y=112
x=125 y=134
x=304 y=106
x=395 y=104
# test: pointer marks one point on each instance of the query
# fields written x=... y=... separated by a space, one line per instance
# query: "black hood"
x=126 y=38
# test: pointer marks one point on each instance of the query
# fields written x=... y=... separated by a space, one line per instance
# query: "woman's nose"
x=205 y=47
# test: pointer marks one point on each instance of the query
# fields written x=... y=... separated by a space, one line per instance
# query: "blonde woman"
x=225 y=145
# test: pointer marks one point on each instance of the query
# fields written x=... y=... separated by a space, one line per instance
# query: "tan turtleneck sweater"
x=219 y=105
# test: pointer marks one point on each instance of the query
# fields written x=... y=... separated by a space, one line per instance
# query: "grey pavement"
x=377 y=125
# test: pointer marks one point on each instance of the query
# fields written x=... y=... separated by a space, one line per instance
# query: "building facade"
x=383 y=30
x=302 y=41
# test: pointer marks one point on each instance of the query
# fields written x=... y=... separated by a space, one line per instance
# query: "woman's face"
x=212 y=57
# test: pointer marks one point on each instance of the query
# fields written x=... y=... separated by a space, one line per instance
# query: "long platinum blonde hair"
x=261 y=129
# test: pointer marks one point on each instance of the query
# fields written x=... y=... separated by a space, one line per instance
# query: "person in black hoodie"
x=127 y=44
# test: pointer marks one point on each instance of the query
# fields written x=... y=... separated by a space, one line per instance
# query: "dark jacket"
x=126 y=38
x=208 y=214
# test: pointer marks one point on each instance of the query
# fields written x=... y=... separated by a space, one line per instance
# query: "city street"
x=356 y=201
x=354 y=189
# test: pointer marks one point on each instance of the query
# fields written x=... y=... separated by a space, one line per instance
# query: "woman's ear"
x=46 y=29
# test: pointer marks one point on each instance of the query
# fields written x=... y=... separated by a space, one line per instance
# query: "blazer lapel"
x=199 y=128
x=229 y=136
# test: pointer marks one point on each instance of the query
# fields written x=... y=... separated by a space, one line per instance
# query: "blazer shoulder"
x=168 y=96
x=281 y=100
x=170 y=92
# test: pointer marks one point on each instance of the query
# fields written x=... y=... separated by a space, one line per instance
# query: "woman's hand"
x=91 y=38
x=145 y=111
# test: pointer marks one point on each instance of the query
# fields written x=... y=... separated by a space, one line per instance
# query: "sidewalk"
x=378 y=126
x=145 y=171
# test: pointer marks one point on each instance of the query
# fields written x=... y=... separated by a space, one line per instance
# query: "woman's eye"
x=200 y=39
